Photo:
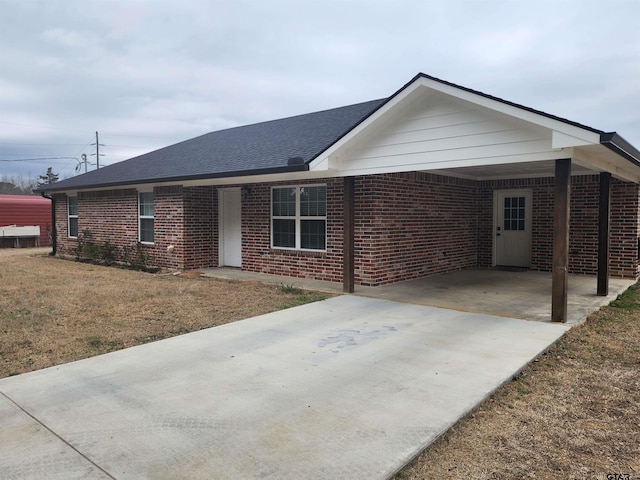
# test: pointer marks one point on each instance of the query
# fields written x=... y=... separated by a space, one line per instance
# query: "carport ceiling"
x=511 y=170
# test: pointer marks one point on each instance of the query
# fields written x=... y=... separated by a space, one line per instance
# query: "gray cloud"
x=150 y=73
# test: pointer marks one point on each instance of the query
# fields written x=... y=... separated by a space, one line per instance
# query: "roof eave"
x=619 y=145
x=242 y=173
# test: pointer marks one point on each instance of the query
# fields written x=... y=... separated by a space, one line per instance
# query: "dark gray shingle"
x=261 y=147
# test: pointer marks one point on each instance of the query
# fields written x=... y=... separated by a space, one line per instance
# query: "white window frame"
x=146 y=217
x=298 y=219
x=70 y=216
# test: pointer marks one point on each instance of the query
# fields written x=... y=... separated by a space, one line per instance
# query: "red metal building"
x=25 y=210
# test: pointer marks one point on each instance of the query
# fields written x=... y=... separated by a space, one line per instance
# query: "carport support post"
x=560 y=275
x=348 y=268
x=604 y=202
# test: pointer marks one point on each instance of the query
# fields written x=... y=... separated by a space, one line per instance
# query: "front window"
x=72 y=211
x=145 y=201
x=299 y=217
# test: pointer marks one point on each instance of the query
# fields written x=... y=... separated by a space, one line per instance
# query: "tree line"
x=19 y=185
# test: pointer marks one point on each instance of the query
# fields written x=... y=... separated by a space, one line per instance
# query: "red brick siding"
x=106 y=215
x=169 y=220
x=113 y=215
x=257 y=254
x=412 y=225
x=200 y=227
x=583 y=224
x=407 y=226
x=624 y=229
x=62 y=221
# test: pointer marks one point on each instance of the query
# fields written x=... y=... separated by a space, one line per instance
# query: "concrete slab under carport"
x=351 y=387
x=523 y=294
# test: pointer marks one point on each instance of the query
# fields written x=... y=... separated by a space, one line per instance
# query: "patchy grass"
x=298 y=296
x=54 y=311
x=574 y=413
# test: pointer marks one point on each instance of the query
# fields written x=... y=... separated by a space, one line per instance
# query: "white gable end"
x=429 y=125
x=437 y=131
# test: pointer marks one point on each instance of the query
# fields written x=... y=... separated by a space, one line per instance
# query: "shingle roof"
x=266 y=147
x=248 y=150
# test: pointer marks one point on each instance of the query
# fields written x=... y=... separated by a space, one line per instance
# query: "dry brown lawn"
x=574 y=413
x=54 y=311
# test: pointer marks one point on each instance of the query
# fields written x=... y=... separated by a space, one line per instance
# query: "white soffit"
x=509 y=171
x=602 y=159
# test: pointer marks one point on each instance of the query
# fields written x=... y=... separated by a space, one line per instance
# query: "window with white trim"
x=299 y=217
x=146 y=219
x=72 y=215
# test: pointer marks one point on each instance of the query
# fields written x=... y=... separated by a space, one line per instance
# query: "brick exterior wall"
x=583 y=224
x=404 y=227
x=184 y=218
x=200 y=227
x=257 y=254
x=411 y=225
x=106 y=214
x=407 y=225
x=624 y=229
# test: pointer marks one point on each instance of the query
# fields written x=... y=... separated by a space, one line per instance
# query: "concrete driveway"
x=348 y=388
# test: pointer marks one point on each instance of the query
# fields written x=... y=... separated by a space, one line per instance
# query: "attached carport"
x=437 y=127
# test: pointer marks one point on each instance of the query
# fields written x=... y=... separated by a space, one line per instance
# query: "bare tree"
x=17 y=185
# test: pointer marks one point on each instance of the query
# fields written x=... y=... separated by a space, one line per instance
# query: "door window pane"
x=514 y=213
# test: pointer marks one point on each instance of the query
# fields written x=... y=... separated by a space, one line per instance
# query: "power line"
x=34 y=159
x=41 y=144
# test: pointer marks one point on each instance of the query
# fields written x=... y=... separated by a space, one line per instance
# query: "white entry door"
x=512 y=228
x=230 y=227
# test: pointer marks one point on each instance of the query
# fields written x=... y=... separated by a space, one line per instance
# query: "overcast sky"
x=146 y=74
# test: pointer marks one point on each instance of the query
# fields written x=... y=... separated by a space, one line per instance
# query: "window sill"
x=301 y=251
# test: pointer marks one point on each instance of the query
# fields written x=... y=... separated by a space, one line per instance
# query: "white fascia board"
x=535 y=118
x=320 y=163
x=562 y=140
x=269 y=178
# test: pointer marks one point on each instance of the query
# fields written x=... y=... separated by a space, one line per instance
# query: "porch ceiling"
x=511 y=170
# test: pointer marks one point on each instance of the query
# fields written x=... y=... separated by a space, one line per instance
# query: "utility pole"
x=97 y=154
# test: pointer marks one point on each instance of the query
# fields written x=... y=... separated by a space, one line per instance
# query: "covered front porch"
x=523 y=294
